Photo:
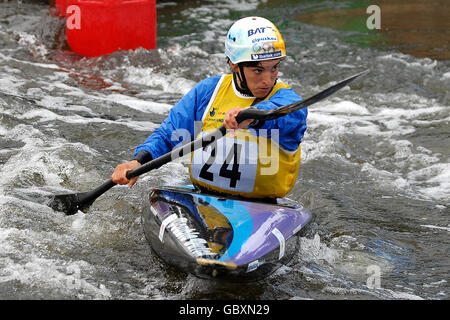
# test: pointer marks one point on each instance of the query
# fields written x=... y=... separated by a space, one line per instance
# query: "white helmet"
x=254 y=39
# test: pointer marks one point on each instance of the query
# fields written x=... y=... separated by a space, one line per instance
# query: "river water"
x=375 y=158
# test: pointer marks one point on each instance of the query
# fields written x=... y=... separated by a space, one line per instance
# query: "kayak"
x=228 y=238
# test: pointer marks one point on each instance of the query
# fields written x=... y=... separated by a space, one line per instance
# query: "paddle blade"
x=71 y=203
x=68 y=203
x=271 y=114
x=293 y=107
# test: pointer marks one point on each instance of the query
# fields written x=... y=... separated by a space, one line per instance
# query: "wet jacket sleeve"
x=179 y=126
x=291 y=127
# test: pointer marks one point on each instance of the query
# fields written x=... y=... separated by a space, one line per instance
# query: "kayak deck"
x=211 y=236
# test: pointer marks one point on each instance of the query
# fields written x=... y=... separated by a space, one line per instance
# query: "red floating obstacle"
x=98 y=27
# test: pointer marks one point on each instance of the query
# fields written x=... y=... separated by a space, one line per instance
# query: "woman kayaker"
x=261 y=160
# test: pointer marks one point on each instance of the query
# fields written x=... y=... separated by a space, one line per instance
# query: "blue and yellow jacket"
x=203 y=109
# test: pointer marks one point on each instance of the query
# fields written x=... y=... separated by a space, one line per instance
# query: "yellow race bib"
x=245 y=164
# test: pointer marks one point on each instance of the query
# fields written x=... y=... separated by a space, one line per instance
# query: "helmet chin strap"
x=242 y=87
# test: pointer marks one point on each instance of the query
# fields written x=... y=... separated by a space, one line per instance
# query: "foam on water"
x=350 y=259
x=39 y=157
x=426 y=176
x=53 y=277
x=436 y=227
x=162 y=82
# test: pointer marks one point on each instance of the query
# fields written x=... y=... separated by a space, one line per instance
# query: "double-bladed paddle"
x=71 y=203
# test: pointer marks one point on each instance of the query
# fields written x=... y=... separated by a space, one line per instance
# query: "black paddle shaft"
x=71 y=203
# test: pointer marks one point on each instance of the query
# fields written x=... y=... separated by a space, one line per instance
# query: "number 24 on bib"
x=229 y=164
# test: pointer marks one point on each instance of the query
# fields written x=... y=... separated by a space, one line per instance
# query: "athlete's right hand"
x=230 y=123
x=119 y=175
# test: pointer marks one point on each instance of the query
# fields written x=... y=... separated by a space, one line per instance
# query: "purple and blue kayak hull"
x=223 y=238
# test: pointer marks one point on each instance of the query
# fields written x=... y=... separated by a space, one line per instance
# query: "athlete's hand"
x=230 y=122
x=119 y=175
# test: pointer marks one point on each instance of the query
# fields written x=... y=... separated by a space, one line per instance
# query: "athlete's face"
x=261 y=79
